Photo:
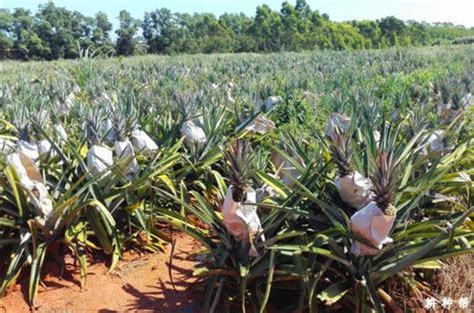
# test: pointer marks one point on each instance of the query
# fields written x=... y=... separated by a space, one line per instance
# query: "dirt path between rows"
x=141 y=283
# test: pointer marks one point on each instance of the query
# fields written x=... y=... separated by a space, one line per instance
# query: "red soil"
x=140 y=283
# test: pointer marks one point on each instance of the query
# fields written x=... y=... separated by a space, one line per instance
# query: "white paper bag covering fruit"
x=271 y=101
x=467 y=101
x=26 y=169
x=286 y=171
x=40 y=198
x=354 y=189
x=193 y=135
x=44 y=146
x=339 y=122
x=30 y=149
x=68 y=103
x=260 y=125
x=434 y=142
x=124 y=150
x=6 y=146
x=31 y=179
x=99 y=158
x=241 y=219
x=142 y=142
x=371 y=224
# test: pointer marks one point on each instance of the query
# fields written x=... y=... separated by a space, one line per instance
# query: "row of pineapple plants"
x=101 y=160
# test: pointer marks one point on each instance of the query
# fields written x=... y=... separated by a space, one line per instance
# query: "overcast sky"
x=455 y=11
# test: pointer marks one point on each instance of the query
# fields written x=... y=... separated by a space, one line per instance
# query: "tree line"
x=56 y=32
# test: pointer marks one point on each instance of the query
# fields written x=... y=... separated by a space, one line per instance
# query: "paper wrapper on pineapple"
x=260 y=125
x=26 y=169
x=433 y=143
x=241 y=220
x=193 y=135
x=271 y=101
x=354 y=189
x=40 y=198
x=31 y=179
x=371 y=224
x=124 y=150
x=142 y=142
x=467 y=101
x=99 y=158
x=339 y=122
x=6 y=146
x=29 y=149
x=44 y=146
x=285 y=170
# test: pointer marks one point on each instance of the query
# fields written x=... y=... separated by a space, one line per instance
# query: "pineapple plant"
x=191 y=128
x=124 y=122
x=353 y=188
x=24 y=144
x=239 y=210
x=375 y=220
x=39 y=120
x=33 y=183
x=99 y=156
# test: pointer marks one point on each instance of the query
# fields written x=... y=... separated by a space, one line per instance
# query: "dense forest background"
x=55 y=32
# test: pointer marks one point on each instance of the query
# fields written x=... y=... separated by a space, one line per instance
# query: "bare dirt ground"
x=140 y=283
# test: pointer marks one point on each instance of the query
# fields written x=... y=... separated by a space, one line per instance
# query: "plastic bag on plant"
x=373 y=225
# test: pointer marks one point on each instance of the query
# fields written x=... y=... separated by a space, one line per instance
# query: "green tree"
x=6 y=26
x=126 y=42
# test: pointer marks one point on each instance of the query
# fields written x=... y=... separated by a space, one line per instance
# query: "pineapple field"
x=311 y=182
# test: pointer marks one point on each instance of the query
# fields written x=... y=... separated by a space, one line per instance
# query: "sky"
x=455 y=11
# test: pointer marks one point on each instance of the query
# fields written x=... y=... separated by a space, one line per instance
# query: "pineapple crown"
x=187 y=105
x=341 y=152
x=384 y=173
x=94 y=119
x=21 y=120
x=238 y=157
x=40 y=120
x=124 y=118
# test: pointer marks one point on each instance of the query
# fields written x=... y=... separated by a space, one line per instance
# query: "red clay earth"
x=140 y=283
